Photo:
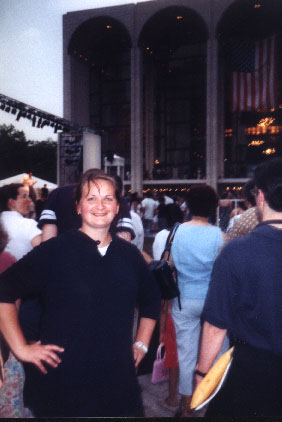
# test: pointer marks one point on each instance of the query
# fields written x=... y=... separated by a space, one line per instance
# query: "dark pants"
x=253 y=386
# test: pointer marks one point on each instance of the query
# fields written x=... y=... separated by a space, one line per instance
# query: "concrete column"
x=149 y=120
x=221 y=123
x=80 y=86
x=91 y=150
x=67 y=85
x=136 y=121
x=212 y=113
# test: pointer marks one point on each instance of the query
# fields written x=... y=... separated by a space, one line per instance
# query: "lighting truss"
x=39 y=118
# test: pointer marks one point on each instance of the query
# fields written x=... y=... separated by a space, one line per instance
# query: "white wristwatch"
x=141 y=346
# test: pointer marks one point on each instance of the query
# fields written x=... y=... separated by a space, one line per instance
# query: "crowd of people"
x=78 y=304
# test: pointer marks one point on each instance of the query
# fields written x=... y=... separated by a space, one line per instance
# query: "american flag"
x=254 y=74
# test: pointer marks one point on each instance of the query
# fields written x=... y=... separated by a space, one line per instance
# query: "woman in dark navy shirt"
x=88 y=282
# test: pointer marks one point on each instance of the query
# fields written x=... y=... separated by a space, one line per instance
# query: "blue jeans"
x=188 y=327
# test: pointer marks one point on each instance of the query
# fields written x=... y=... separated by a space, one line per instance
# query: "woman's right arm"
x=35 y=353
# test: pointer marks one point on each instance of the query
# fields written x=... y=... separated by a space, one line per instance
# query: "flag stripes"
x=256 y=88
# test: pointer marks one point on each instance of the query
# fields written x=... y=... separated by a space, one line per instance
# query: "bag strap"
x=167 y=248
x=169 y=241
x=159 y=351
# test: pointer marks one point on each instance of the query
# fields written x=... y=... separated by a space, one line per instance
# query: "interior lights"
x=255 y=143
x=266 y=121
x=269 y=151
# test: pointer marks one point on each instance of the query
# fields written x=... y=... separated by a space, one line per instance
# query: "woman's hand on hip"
x=37 y=354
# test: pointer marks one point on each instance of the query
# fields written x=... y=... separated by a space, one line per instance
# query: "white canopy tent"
x=20 y=178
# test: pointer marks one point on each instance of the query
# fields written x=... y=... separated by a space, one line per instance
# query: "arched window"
x=174 y=50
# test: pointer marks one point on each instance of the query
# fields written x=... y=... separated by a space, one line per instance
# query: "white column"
x=212 y=113
x=136 y=121
x=91 y=150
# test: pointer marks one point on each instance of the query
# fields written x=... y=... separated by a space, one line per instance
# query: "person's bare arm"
x=35 y=353
x=163 y=318
x=144 y=334
x=211 y=343
x=126 y=235
x=49 y=231
x=147 y=257
x=36 y=240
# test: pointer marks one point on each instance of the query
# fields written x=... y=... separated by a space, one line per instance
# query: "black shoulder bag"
x=165 y=275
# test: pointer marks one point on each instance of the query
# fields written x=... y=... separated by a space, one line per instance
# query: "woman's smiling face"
x=98 y=205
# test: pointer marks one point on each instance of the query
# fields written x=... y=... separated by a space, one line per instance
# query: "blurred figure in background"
x=14 y=207
x=172 y=215
x=23 y=236
x=250 y=218
x=135 y=203
x=149 y=206
x=225 y=209
x=40 y=202
x=160 y=212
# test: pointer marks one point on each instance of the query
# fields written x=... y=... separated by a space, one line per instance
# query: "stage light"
x=39 y=122
x=33 y=121
x=2 y=106
x=45 y=123
x=14 y=111
x=19 y=115
x=8 y=108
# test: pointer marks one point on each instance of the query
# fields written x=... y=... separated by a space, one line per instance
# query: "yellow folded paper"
x=210 y=382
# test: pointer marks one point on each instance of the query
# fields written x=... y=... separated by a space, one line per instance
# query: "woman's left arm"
x=144 y=334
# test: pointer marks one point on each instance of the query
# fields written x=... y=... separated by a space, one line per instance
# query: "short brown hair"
x=202 y=201
x=93 y=175
x=7 y=192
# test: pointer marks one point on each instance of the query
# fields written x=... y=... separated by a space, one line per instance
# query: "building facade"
x=154 y=80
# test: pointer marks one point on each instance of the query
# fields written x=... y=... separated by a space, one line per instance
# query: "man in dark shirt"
x=244 y=299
